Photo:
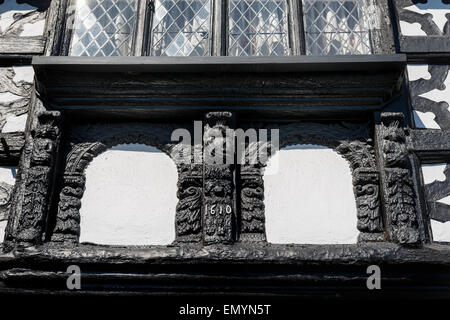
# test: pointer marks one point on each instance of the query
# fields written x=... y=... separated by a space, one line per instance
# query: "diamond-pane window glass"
x=258 y=28
x=104 y=27
x=181 y=28
x=336 y=27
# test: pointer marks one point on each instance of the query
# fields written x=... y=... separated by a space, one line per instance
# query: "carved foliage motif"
x=218 y=186
x=67 y=226
x=252 y=203
x=398 y=184
x=38 y=178
x=189 y=207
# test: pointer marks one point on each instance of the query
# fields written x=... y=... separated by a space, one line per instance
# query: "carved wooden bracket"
x=397 y=185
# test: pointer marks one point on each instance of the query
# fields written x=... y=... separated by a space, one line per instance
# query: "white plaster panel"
x=15 y=123
x=418 y=71
x=441 y=231
x=433 y=172
x=7 y=11
x=434 y=7
x=23 y=74
x=425 y=120
x=130 y=197
x=411 y=29
x=7 y=175
x=2 y=230
x=33 y=29
x=309 y=198
x=8 y=97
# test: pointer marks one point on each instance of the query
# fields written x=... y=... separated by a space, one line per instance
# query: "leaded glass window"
x=336 y=27
x=258 y=28
x=181 y=28
x=221 y=27
x=104 y=28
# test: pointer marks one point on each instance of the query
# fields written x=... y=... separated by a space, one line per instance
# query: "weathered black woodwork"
x=356 y=105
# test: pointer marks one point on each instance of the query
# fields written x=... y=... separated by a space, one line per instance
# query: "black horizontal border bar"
x=223 y=64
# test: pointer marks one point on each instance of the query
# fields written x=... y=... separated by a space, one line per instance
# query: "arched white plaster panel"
x=130 y=197
x=309 y=197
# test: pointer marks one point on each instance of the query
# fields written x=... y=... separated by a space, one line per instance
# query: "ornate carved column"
x=397 y=185
x=37 y=181
x=188 y=221
x=78 y=156
x=218 y=178
x=366 y=187
x=252 y=203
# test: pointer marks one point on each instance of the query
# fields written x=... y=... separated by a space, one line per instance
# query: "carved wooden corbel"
x=397 y=185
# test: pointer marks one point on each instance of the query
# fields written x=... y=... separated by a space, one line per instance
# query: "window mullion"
x=217 y=27
x=141 y=26
x=297 y=28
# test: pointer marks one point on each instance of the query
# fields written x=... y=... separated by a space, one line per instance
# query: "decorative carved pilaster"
x=39 y=178
x=67 y=227
x=188 y=219
x=366 y=187
x=397 y=184
x=218 y=178
x=252 y=203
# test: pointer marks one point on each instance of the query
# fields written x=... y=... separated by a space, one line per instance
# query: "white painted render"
x=7 y=11
x=310 y=199
x=7 y=175
x=23 y=74
x=425 y=120
x=411 y=29
x=441 y=231
x=8 y=97
x=431 y=173
x=33 y=29
x=15 y=123
x=418 y=71
x=2 y=230
x=130 y=197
